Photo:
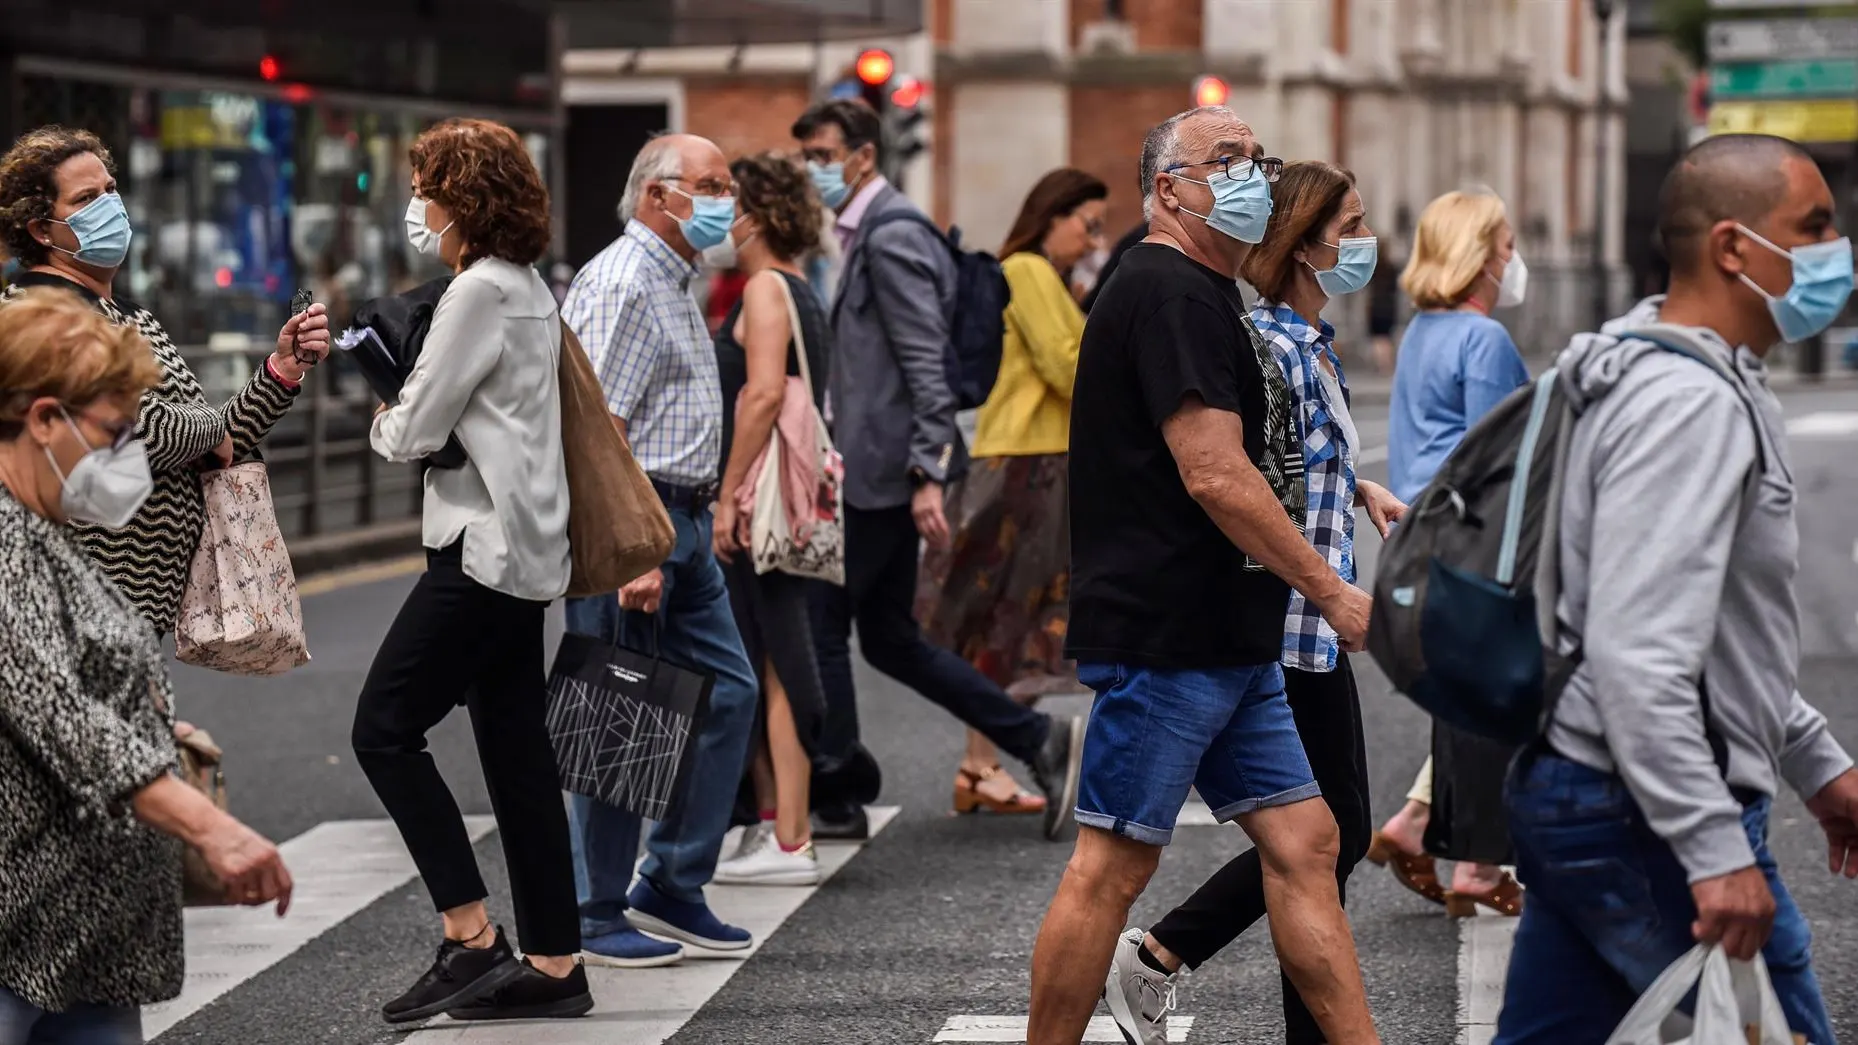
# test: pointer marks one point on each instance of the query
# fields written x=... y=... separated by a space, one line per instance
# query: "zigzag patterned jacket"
x=150 y=558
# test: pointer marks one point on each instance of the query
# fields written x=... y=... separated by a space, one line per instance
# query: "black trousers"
x=881 y=557
x=1328 y=712
x=457 y=642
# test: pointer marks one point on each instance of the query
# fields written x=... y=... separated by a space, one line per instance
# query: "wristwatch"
x=918 y=477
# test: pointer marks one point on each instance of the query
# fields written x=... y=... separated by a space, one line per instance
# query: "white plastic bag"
x=1736 y=1005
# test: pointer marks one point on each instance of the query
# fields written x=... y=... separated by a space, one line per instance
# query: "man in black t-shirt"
x=1187 y=503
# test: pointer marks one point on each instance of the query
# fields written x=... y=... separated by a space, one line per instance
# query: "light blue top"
x=1452 y=368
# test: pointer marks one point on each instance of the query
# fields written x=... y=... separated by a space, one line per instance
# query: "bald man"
x=633 y=309
x=1641 y=828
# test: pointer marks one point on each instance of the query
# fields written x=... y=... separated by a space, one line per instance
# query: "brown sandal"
x=1418 y=873
x=1505 y=898
x=970 y=798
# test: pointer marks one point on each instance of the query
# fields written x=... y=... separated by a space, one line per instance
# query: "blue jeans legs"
x=22 y=1023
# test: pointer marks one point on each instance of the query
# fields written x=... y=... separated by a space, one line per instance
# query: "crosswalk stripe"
x=1483 y=964
x=339 y=868
x=647 y=1006
x=1827 y=423
x=1013 y=1029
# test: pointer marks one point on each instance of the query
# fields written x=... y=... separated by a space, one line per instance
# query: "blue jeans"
x=23 y=1023
x=1609 y=908
x=697 y=627
x=1154 y=733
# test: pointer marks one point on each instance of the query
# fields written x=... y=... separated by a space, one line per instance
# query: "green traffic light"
x=361 y=181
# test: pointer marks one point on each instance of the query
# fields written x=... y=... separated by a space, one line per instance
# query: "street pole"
x=1602 y=308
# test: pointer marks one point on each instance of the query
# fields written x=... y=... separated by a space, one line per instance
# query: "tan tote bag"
x=617 y=527
x=240 y=613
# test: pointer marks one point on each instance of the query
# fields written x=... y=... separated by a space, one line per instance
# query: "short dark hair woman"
x=496 y=537
x=61 y=217
x=777 y=223
x=1317 y=247
x=90 y=910
x=997 y=594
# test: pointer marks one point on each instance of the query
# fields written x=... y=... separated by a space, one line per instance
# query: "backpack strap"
x=878 y=221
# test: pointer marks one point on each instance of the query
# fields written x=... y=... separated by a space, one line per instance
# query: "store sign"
x=1830 y=120
x=1777 y=39
x=1832 y=78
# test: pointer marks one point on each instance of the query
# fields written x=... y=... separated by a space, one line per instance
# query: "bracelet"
x=271 y=367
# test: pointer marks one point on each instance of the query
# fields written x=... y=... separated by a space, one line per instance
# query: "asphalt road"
x=935 y=917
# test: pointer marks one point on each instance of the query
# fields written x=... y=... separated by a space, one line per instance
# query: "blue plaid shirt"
x=1329 y=473
x=632 y=308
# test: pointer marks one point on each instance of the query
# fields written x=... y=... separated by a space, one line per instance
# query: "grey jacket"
x=892 y=407
x=1678 y=555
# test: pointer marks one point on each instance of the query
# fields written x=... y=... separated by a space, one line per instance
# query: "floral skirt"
x=999 y=594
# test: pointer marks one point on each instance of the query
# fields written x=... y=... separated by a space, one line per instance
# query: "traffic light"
x=874 y=69
x=1211 y=90
x=897 y=100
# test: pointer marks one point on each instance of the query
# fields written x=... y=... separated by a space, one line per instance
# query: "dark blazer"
x=892 y=407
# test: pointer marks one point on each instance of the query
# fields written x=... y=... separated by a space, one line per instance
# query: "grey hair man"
x=633 y=309
x=1678 y=553
x=1186 y=539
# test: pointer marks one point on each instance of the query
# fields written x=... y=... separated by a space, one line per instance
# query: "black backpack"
x=977 y=328
x=1466 y=589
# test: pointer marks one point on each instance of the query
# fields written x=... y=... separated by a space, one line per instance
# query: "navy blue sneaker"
x=630 y=949
x=690 y=923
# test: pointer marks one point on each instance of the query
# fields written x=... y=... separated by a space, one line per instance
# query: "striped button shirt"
x=632 y=308
x=1329 y=473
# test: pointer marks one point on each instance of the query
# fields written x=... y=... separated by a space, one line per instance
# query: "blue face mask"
x=1241 y=209
x=1355 y=259
x=829 y=180
x=102 y=230
x=709 y=221
x=1822 y=280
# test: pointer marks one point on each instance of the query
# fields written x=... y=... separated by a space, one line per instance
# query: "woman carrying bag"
x=773 y=352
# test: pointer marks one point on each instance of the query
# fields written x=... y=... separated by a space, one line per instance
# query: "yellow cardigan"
x=1029 y=410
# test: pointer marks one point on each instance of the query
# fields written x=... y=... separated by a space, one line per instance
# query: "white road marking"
x=1196 y=813
x=1824 y=424
x=339 y=868
x=647 y=1006
x=1013 y=1029
x=1483 y=963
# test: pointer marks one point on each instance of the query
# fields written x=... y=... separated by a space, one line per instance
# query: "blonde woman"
x=1455 y=363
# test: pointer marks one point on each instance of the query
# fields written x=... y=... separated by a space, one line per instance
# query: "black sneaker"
x=1055 y=770
x=531 y=995
x=460 y=974
x=845 y=824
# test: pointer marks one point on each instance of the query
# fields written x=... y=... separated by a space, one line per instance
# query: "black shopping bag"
x=624 y=724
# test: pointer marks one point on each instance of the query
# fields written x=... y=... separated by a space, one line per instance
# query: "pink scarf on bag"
x=799 y=478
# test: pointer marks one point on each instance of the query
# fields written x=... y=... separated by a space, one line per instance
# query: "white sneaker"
x=748 y=839
x=1139 y=997
x=769 y=864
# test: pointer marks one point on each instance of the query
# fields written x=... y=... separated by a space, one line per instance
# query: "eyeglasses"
x=1239 y=168
x=710 y=187
x=1093 y=227
x=121 y=434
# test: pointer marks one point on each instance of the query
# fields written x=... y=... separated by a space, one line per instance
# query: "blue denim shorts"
x=1154 y=733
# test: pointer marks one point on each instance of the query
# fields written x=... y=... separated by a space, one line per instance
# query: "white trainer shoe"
x=1139 y=997
x=748 y=839
x=769 y=864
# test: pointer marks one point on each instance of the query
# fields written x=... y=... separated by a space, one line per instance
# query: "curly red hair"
x=479 y=171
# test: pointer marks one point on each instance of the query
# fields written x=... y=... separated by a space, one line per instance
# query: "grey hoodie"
x=1677 y=562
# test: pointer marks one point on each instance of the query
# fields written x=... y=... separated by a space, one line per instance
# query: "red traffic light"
x=1211 y=90
x=875 y=67
x=267 y=67
x=909 y=93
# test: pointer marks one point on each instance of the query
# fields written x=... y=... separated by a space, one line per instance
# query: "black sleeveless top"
x=732 y=358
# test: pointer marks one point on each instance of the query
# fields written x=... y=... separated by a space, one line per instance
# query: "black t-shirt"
x=1153 y=580
x=732 y=358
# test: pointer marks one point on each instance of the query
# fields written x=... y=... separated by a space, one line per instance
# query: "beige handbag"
x=240 y=613
x=617 y=526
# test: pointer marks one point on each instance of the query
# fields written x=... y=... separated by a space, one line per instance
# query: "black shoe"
x=849 y=824
x=1055 y=770
x=531 y=995
x=460 y=974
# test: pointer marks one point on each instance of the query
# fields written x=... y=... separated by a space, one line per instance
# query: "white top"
x=490 y=371
x=1338 y=408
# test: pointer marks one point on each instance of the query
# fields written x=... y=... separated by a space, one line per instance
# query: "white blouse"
x=489 y=372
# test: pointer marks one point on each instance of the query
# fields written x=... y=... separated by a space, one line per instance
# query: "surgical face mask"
x=1355 y=259
x=709 y=221
x=829 y=180
x=1514 y=284
x=724 y=256
x=107 y=486
x=102 y=231
x=1241 y=209
x=1822 y=280
x=423 y=239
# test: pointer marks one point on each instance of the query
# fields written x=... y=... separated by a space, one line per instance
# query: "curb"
x=330 y=552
